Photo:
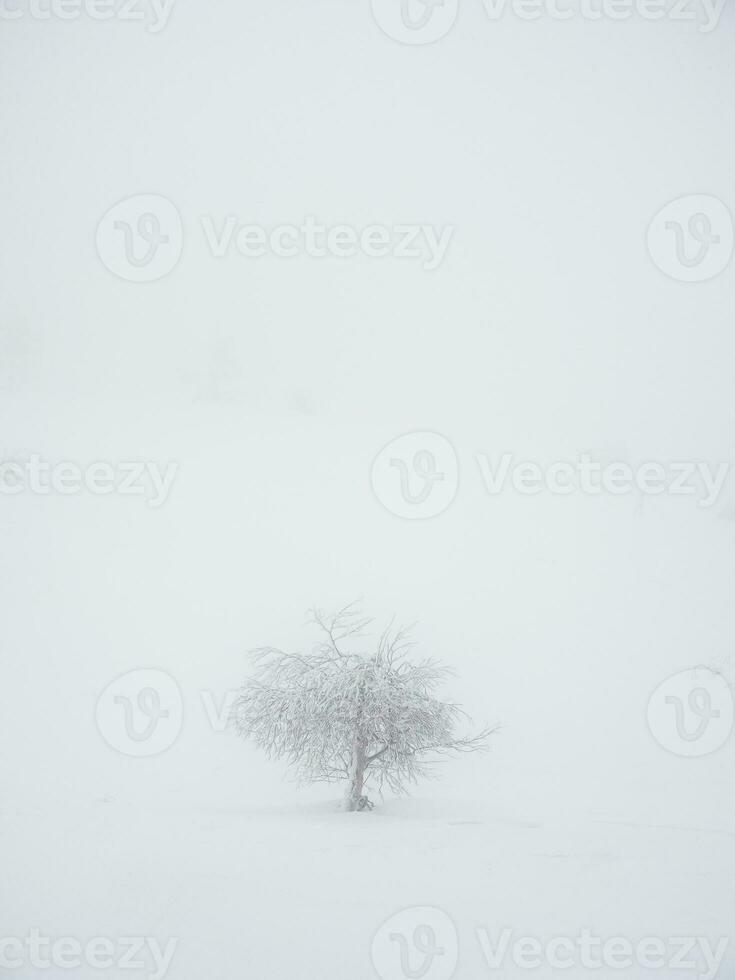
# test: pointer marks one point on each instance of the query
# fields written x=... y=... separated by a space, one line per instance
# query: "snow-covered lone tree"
x=368 y=718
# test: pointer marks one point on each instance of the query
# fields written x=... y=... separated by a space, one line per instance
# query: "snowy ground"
x=298 y=891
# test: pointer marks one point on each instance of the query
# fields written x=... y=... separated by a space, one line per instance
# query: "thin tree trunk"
x=356 y=777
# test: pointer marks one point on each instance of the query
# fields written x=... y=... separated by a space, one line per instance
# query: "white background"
x=546 y=332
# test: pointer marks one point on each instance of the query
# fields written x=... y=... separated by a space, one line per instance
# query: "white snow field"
x=298 y=891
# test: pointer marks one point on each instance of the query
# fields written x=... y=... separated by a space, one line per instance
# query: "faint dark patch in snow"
x=655 y=826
